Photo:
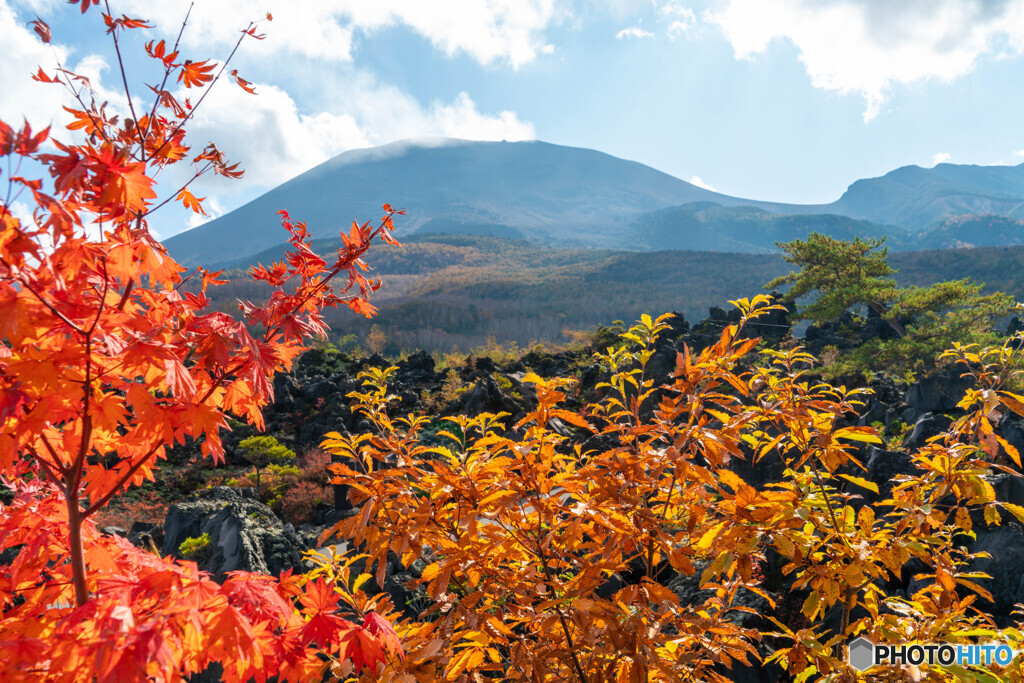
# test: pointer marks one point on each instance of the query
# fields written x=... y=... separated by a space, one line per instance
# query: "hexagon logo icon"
x=862 y=654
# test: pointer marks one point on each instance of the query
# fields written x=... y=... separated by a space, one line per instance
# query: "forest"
x=445 y=291
x=191 y=490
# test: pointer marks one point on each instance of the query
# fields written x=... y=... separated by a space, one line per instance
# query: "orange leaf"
x=189 y=201
x=242 y=83
x=196 y=73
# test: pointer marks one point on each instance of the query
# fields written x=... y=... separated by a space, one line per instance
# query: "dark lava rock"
x=1005 y=544
x=927 y=426
x=416 y=369
x=937 y=393
x=487 y=397
x=244 y=533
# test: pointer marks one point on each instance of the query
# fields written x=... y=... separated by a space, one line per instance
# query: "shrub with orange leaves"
x=105 y=361
x=545 y=562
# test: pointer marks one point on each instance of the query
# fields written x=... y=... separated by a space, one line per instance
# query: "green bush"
x=264 y=451
x=197 y=548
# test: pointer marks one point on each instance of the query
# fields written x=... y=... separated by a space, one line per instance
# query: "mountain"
x=707 y=226
x=534 y=190
x=572 y=197
x=915 y=198
x=975 y=231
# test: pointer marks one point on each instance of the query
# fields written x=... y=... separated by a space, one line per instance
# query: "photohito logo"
x=864 y=654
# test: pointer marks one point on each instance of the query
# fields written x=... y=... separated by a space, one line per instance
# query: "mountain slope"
x=571 y=197
x=532 y=190
x=706 y=226
x=445 y=291
x=914 y=197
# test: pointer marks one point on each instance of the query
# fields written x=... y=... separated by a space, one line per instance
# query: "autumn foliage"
x=545 y=561
x=106 y=360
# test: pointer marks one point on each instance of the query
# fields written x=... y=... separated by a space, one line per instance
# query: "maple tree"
x=106 y=360
x=548 y=562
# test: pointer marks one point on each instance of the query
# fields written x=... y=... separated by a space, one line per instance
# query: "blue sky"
x=787 y=100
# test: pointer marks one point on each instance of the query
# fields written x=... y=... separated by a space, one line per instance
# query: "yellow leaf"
x=810 y=608
x=360 y=580
x=1010 y=450
x=785 y=546
x=865 y=434
x=1016 y=510
x=1013 y=402
x=863 y=483
x=992 y=515
x=709 y=536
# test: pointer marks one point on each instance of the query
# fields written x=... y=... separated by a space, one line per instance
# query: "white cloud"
x=214 y=209
x=633 y=32
x=20 y=96
x=678 y=28
x=40 y=103
x=460 y=119
x=273 y=139
x=941 y=158
x=682 y=18
x=672 y=8
x=487 y=30
x=1019 y=153
x=869 y=46
x=696 y=180
x=366 y=114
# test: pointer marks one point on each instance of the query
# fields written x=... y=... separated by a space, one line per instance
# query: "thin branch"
x=189 y=114
x=125 y=295
x=124 y=82
x=103 y=299
x=46 y=303
x=66 y=82
x=167 y=73
x=175 y=194
x=49 y=470
x=121 y=481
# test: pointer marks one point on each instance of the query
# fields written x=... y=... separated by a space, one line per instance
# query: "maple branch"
x=46 y=303
x=53 y=453
x=84 y=444
x=49 y=471
x=188 y=115
x=94 y=507
x=103 y=299
x=175 y=194
x=167 y=73
x=124 y=82
x=78 y=94
x=124 y=296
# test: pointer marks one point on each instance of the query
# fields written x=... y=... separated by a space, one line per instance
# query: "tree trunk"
x=77 y=552
x=881 y=310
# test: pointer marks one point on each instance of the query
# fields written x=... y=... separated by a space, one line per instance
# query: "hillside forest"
x=502 y=482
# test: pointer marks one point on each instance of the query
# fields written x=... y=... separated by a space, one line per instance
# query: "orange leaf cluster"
x=156 y=620
x=105 y=361
x=544 y=562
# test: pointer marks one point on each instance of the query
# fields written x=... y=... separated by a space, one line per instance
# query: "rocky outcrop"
x=244 y=533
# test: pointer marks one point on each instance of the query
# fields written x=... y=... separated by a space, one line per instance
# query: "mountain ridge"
x=577 y=197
